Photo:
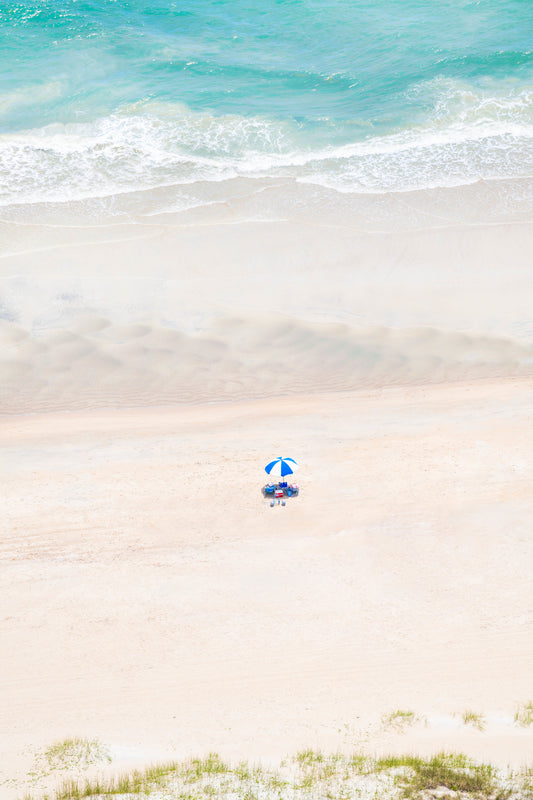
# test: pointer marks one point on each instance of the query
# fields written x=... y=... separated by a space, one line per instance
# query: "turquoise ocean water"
x=106 y=97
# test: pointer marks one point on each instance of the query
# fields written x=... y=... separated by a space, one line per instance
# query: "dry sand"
x=152 y=598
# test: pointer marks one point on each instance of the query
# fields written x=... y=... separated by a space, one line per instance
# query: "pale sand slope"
x=152 y=598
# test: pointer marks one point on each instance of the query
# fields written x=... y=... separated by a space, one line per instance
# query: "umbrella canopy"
x=281 y=467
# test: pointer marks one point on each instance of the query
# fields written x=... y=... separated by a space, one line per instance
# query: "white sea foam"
x=469 y=136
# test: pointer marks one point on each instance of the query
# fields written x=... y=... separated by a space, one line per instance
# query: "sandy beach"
x=152 y=598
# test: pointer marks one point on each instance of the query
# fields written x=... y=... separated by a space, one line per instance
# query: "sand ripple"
x=97 y=364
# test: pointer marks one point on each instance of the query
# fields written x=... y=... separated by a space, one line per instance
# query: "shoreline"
x=491 y=201
x=230 y=233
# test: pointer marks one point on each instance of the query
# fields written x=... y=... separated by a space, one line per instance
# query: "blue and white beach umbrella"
x=281 y=467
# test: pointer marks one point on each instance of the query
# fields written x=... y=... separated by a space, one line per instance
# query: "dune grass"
x=75 y=752
x=399 y=720
x=477 y=721
x=452 y=772
x=310 y=775
x=524 y=714
x=136 y=782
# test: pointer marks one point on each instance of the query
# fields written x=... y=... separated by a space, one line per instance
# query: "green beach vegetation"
x=475 y=719
x=399 y=720
x=75 y=752
x=524 y=714
x=310 y=775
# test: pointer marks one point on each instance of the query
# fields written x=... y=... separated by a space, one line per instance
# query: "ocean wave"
x=468 y=136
